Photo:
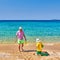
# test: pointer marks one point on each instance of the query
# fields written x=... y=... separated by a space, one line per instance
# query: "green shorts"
x=42 y=53
x=38 y=52
x=20 y=41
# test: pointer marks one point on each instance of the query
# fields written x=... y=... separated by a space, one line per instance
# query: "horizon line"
x=30 y=20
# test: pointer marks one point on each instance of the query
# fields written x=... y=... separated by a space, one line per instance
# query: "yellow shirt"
x=39 y=46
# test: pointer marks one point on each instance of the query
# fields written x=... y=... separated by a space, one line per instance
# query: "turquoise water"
x=46 y=31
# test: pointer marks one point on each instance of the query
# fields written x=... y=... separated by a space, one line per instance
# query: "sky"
x=29 y=9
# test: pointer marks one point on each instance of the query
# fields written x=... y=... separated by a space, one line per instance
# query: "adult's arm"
x=24 y=37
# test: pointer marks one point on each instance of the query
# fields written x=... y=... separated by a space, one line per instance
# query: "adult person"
x=21 y=38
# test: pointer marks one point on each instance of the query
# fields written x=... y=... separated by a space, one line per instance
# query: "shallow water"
x=46 y=31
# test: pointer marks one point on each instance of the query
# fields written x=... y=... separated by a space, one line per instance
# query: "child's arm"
x=42 y=45
x=37 y=44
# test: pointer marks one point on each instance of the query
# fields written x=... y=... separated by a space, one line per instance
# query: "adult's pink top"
x=20 y=35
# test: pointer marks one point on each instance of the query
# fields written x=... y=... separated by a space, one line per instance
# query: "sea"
x=45 y=30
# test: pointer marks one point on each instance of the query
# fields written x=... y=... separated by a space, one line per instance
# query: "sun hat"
x=20 y=28
x=38 y=40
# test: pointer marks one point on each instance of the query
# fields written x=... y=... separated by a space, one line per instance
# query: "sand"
x=11 y=52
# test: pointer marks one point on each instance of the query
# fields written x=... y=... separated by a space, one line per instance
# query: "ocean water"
x=47 y=31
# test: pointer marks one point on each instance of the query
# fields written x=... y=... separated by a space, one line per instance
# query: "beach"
x=11 y=52
x=47 y=31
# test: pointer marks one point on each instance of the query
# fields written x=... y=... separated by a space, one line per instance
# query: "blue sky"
x=29 y=9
